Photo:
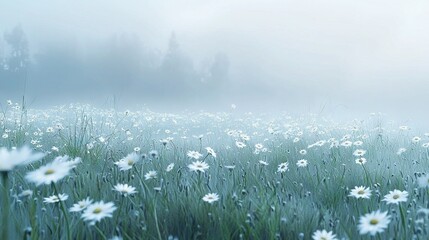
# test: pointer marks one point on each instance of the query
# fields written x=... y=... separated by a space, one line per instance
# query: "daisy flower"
x=360 y=192
x=240 y=144
x=198 y=166
x=359 y=152
x=302 y=163
x=211 y=197
x=54 y=198
x=124 y=189
x=128 y=162
x=169 y=167
x=361 y=161
x=150 y=175
x=153 y=154
x=373 y=223
x=324 y=235
x=210 y=151
x=81 y=205
x=97 y=211
x=52 y=172
x=396 y=196
x=10 y=159
x=283 y=167
x=194 y=154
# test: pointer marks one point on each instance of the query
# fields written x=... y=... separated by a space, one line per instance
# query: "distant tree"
x=19 y=56
x=15 y=63
x=177 y=73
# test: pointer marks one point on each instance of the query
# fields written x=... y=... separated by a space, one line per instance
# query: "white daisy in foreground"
x=324 y=235
x=125 y=189
x=150 y=175
x=360 y=192
x=54 y=198
x=373 y=223
x=128 y=162
x=302 y=163
x=211 y=197
x=81 y=205
x=198 y=166
x=10 y=159
x=283 y=167
x=194 y=154
x=210 y=151
x=169 y=167
x=52 y=172
x=97 y=211
x=396 y=196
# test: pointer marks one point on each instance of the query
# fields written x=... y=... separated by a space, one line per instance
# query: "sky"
x=354 y=55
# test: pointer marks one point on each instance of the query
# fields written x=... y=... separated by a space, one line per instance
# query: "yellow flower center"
x=130 y=162
x=373 y=222
x=97 y=210
x=361 y=192
x=49 y=172
x=395 y=196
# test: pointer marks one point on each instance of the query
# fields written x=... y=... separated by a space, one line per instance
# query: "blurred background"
x=341 y=57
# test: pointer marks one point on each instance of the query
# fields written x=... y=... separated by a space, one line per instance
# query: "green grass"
x=256 y=202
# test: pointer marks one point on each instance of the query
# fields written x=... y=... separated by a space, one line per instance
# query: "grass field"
x=209 y=176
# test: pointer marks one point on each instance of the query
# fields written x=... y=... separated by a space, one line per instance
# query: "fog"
x=334 y=56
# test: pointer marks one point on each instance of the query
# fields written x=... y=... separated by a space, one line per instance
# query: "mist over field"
x=344 y=57
x=214 y=119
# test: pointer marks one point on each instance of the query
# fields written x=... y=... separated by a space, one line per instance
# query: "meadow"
x=79 y=172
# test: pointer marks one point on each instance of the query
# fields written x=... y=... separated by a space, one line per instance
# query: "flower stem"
x=63 y=209
x=5 y=208
x=100 y=232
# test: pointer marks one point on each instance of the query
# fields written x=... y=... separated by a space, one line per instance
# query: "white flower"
x=240 y=144
x=360 y=192
x=211 y=197
x=283 y=167
x=97 y=211
x=128 y=162
x=211 y=151
x=359 y=152
x=81 y=205
x=150 y=175
x=373 y=223
x=124 y=189
x=52 y=172
x=194 y=154
x=169 y=167
x=55 y=198
x=198 y=166
x=10 y=159
x=361 y=161
x=396 y=196
x=302 y=163
x=324 y=235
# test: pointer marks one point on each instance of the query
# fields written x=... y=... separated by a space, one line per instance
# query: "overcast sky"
x=376 y=52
